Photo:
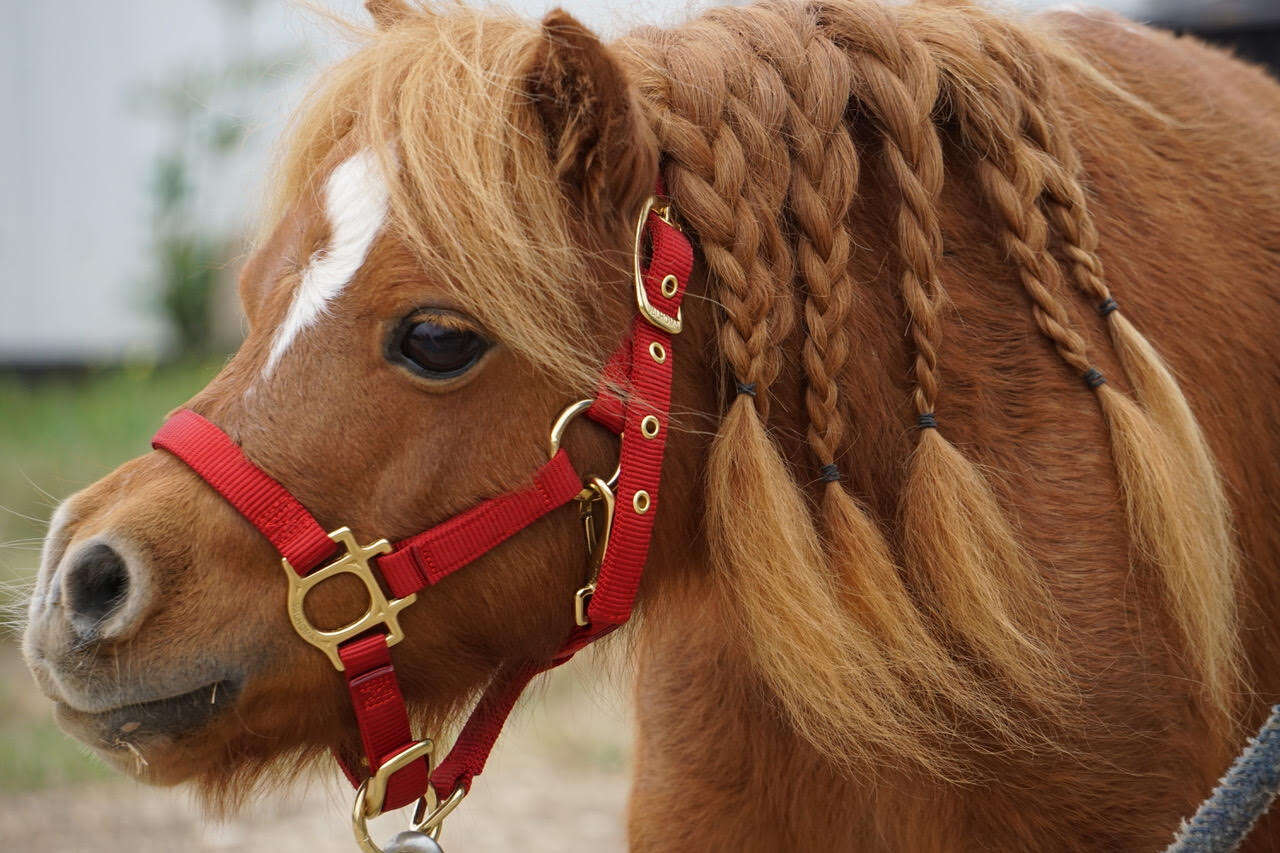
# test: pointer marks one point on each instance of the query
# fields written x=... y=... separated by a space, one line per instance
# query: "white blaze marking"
x=355 y=202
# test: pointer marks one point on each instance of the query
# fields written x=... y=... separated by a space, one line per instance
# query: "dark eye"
x=437 y=348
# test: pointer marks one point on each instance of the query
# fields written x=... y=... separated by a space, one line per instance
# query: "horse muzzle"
x=116 y=685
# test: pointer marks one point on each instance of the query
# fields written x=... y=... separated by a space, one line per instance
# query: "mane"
x=910 y=639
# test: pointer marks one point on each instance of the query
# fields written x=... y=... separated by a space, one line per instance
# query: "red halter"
x=400 y=765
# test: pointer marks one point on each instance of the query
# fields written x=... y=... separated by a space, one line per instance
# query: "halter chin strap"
x=399 y=765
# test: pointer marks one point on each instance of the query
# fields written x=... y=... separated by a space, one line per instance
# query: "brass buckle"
x=382 y=611
x=372 y=794
x=668 y=324
x=597 y=529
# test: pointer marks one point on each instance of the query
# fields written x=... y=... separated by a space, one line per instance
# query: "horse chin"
x=161 y=741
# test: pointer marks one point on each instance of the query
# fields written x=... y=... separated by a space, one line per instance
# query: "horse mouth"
x=121 y=729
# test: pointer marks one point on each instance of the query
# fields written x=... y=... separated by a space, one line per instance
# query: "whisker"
x=140 y=760
x=14 y=512
x=35 y=486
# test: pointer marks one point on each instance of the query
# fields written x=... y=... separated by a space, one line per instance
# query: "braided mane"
x=722 y=92
x=904 y=635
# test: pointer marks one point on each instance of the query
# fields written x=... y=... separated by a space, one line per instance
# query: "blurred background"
x=138 y=139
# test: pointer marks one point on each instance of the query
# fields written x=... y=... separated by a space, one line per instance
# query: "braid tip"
x=926 y=420
x=1094 y=379
x=829 y=473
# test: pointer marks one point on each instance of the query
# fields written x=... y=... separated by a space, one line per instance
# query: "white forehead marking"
x=355 y=202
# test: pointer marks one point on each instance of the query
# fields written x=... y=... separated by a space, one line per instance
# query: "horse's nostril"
x=97 y=586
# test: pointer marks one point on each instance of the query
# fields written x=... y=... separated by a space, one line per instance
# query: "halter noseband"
x=618 y=515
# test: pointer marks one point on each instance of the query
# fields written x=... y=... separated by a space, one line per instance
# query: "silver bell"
x=411 y=841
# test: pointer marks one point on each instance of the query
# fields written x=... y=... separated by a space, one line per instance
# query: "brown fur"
x=1022 y=630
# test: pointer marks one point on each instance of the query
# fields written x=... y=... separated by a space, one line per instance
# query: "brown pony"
x=945 y=560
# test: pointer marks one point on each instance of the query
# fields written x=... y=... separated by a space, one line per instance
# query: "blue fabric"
x=1242 y=796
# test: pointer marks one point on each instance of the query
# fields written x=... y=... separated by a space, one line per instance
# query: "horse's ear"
x=604 y=153
x=387 y=13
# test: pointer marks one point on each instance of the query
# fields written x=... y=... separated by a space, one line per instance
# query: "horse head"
x=450 y=264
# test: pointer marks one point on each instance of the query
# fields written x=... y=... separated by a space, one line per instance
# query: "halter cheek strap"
x=399 y=765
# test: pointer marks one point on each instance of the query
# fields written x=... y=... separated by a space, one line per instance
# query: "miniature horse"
x=949 y=556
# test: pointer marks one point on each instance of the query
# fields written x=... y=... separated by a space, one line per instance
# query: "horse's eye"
x=438 y=350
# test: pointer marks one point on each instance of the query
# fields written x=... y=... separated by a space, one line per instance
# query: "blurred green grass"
x=57 y=434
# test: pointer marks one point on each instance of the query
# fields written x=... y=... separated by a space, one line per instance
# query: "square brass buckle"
x=355 y=561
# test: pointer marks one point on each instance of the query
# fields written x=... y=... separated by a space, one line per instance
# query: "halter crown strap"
x=643 y=366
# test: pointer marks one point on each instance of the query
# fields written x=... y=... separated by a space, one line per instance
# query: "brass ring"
x=657 y=352
x=562 y=422
x=670 y=285
x=650 y=426
x=640 y=502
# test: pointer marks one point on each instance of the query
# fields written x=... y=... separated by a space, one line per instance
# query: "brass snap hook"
x=595 y=509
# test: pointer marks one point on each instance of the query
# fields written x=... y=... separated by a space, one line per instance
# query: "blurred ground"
x=557 y=781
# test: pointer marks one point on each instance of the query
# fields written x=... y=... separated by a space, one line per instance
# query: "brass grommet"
x=670 y=285
x=657 y=352
x=650 y=426
x=640 y=503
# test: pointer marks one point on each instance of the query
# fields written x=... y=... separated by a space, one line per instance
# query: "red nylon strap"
x=267 y=505
x=636 y=384
x=381 y=715
x=641 y=457
x=433 y=554
x=380 y=710
x=471 y=750
x=646 y=381
x=608 y=410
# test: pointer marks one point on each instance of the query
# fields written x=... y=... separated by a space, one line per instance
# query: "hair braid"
x=824 y=181
x=822 y=191
x=913 y=154
x=708 y=173
x=956 y=538
x=1177 y=513
x=820 y=176
x=757 y=108
x=1202 y=594
x=696 y=91
x=1013 y=191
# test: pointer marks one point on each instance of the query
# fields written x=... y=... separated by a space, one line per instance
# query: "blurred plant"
x=187 y=259
x=207 y=109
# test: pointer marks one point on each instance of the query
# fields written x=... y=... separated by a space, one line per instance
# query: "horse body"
x=1180 y=175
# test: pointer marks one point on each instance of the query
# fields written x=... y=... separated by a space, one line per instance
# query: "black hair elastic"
x=748 y=388
x=1093 y=378
x=927 y=421
x=830 y=473
x=1108 y=305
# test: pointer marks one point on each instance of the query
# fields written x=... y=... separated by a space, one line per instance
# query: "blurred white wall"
x=75 y=158
x=76 y=267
